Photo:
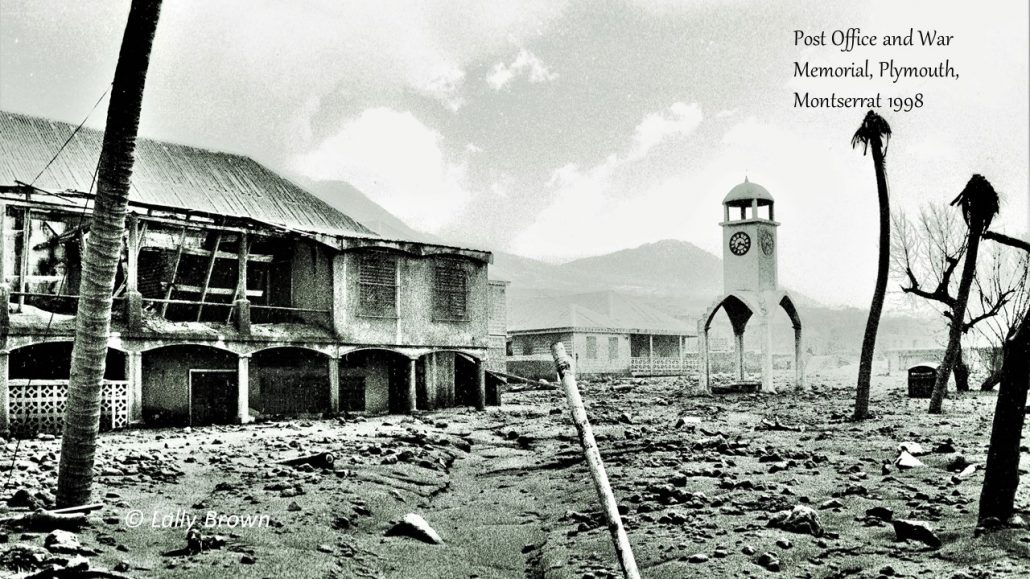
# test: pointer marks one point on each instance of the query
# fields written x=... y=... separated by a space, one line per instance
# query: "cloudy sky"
x=558 y=129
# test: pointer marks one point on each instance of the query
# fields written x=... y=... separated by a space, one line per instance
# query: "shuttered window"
x=377 y=285
x=613 y=348
x=450 y=293
x=591 y=347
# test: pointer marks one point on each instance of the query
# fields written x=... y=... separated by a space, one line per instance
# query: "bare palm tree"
x=979 y=204
x=874 y=133
x=102 y=252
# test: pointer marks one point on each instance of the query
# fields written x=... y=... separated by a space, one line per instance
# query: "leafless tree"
x=929 y=248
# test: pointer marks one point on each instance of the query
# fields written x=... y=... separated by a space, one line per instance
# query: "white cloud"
x=525 y=64
x=398 y=161
x=588 y=215
x=444 y=83
x=680 y=119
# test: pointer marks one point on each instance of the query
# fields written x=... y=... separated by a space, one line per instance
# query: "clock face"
x=767 y=242
x=740 y=243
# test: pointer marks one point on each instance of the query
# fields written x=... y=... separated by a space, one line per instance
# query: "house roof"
x=598 y=311
x=167 y=175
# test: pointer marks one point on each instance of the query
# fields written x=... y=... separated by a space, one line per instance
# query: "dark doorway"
x=213 y=396
x=466 y=381
x=397 y=376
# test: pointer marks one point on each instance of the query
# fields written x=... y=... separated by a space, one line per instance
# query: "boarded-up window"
x=377 y=285
x=450 y=293
x=591 y=347
x=613 y=348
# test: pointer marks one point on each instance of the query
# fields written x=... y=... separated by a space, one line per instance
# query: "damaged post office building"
x=239 y=295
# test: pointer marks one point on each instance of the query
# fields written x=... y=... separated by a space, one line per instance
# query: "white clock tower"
x=750 y=287
x=748 y=239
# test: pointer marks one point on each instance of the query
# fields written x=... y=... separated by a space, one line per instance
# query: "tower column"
x=739 y=341
x=765 y=335
x=799 y=367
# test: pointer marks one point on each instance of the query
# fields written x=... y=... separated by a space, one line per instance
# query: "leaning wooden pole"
x=563 y=364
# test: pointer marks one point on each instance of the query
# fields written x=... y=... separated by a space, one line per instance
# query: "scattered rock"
x=800 y=519
x=912 y=448
x=414 y=526
x=697 y=558
x=687 y=421
x=66 y=543
x=882 y=513
x=906 y=461
x=831 y=504
x=768 y=561
x=910 y=530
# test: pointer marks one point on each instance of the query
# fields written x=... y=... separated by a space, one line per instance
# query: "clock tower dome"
x=748 y=239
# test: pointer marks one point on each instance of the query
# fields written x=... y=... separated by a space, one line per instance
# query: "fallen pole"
x=567 y=375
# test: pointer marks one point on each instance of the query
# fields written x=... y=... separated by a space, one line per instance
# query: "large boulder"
x=800 y=519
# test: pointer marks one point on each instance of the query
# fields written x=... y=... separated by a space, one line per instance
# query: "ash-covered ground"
x=699 y=479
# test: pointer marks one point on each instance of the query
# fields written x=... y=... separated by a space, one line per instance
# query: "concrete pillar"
x=799 y=366
x=133 y=298
x=5 y=402
x=241 y=306
x=243 y=390
x=765 y=335
x=480 y=385
x=739 y=341
x=134 y=376
x=430 y=368
x=650 y=352
x=334 y=384
x=411 y=397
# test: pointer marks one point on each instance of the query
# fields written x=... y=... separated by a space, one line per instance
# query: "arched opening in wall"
x=729 y=358
x=188 y=384
x=466 y=380
x=374 y=381
x=289 y=382
x=37 y=381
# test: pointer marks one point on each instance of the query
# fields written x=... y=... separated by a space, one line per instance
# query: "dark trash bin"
x=921 y=378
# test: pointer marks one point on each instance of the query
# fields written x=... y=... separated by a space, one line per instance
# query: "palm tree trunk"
x=865 y=364
x=102 y=252
x=1001 y=474
x=958 y=313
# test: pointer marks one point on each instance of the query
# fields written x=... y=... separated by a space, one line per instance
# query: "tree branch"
x=1006 y=240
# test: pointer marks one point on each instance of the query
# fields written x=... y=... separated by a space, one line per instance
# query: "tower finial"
x=745 y=178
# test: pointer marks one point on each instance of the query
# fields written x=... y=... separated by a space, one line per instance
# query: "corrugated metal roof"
x=166 y=174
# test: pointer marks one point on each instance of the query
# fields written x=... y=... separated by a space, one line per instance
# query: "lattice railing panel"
x=37 y=406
